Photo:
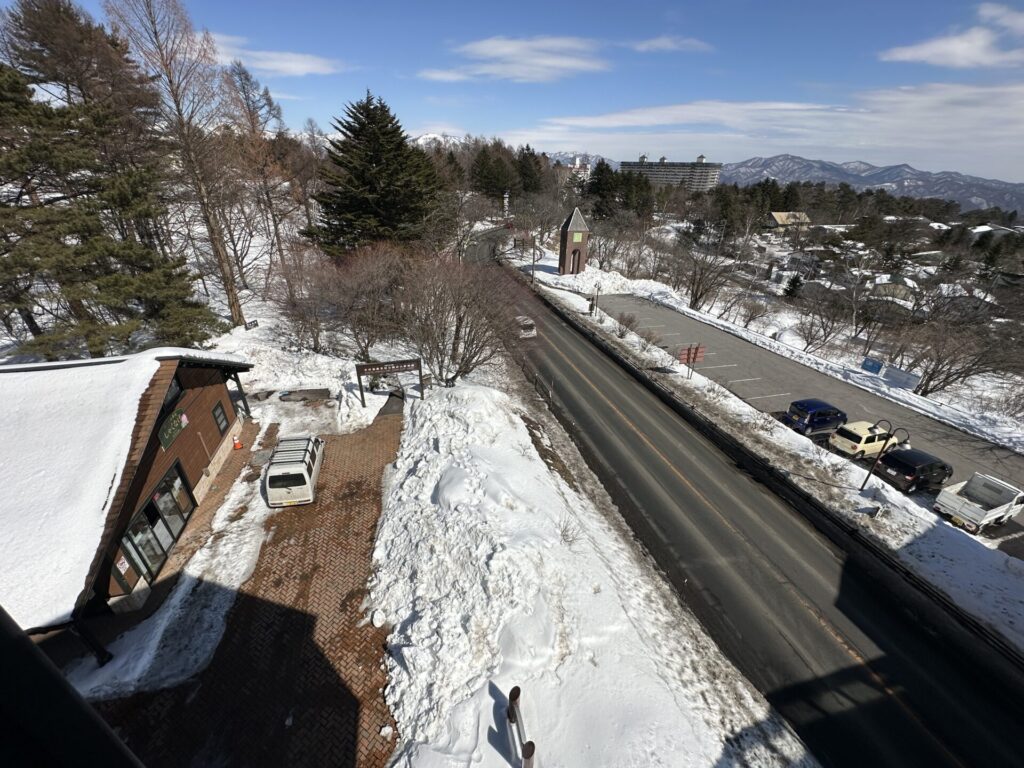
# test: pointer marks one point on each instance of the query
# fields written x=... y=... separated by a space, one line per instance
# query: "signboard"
x=871 y=365
x=900 y=378
x=172 y=427
x=692 y=354
x=250 y=324
x=394 y=366
x=122 y=565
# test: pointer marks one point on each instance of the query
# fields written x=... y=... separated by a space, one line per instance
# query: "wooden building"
x=114 y=478
x=572 y=252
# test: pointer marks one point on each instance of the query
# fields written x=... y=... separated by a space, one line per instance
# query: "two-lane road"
x=862 y=680
x=769 y=382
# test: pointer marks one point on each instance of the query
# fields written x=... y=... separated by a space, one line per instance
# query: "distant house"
x=788 y=219
x=993 y=231
x=104 y=461
x=894 y=287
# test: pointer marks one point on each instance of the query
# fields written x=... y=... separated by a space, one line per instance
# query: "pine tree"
x=379 y=186
x=603 y=188
x=528 y=166
x=81 y=170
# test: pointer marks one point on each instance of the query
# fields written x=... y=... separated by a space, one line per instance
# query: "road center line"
x=822 y=620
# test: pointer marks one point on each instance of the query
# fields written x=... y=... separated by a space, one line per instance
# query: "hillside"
x=968 y=191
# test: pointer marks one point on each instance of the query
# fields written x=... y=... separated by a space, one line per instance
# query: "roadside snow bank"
x=493 y=572
x=984 y=582
x=997 y=429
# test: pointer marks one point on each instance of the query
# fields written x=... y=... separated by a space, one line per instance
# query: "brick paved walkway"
x=296 y=680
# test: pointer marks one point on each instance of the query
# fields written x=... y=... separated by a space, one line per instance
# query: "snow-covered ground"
x=984 y=423
x=985 y=582
x=179 y=639
x=493 y=571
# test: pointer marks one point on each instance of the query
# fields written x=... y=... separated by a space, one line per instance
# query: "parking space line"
x=762 y=397
x=650 y=326
x=709 y=367
x=737 y=381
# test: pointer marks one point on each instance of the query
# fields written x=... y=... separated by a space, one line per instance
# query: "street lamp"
x=878 y=457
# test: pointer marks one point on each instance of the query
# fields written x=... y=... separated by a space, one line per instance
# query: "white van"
x=293 y=471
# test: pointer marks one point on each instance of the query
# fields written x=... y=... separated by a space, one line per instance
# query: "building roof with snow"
x=788 y=219
x=575 y=222
x=69 y=430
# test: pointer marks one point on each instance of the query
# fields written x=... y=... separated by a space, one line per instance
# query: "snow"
x=279 y=364
x=180 y=638
x=986 y=424
x=984 y=582
x=67 y=433
x=493 y=572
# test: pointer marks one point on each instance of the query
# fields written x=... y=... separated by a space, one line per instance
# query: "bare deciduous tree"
x=822 y=319
x=457 y=316
x=183 y=64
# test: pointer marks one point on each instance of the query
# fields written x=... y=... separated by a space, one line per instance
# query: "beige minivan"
x=859 y=439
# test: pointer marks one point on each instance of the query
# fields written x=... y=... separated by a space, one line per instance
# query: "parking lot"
x=769 y=382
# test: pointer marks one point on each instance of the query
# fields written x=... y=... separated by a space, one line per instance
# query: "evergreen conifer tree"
x=378 y=185
x=82 y=247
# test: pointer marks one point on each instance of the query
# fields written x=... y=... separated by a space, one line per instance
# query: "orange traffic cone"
x=237 y=443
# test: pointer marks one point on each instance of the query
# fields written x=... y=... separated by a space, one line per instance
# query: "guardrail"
x=841 y=531
x=527 y=748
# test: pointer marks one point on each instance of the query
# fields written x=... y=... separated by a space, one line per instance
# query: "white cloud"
x=1002 y=16
x=280 y=63
x=283 y=96
x=934 y=126
x=980 y=46
x=523 y=60
x=670 y=43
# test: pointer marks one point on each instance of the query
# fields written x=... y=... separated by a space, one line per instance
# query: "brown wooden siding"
x=148 y=461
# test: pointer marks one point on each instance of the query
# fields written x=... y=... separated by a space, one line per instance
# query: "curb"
x=849 y=537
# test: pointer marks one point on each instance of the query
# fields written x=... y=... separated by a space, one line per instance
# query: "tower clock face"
x=577 y=237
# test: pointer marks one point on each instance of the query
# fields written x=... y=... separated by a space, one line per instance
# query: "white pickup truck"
x=979 y=502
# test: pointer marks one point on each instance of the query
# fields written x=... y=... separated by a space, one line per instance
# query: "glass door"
x=172 y=499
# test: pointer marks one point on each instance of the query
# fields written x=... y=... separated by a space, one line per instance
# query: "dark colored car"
x=911 y=469
x=813 y=417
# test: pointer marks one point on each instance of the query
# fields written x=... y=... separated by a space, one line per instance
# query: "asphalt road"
x=770 y=382
x=861 y=678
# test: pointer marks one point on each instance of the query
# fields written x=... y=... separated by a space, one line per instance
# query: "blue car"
x=813 y=417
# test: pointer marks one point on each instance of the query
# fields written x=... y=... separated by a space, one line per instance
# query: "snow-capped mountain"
x=566 y=158
x=432 y=140
x=969 y=191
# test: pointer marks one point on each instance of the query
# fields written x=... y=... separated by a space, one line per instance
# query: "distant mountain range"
x=969 y=191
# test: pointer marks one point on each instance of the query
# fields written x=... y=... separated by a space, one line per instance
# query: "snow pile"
x=985 y=582
x=493 y=572
x=987 y=425
x=67 y=433
x=280 y=364
x=179 y=640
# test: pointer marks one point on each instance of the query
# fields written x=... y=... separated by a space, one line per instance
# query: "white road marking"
x=709 y=367
x=762 y=397
x=737 y=381
x=650 y=326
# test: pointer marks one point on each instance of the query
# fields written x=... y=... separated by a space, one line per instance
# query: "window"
x=286 y=481
x=173 y=394
x=220 y=417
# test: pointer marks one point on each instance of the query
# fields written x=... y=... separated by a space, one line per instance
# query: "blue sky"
x=933 y=83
